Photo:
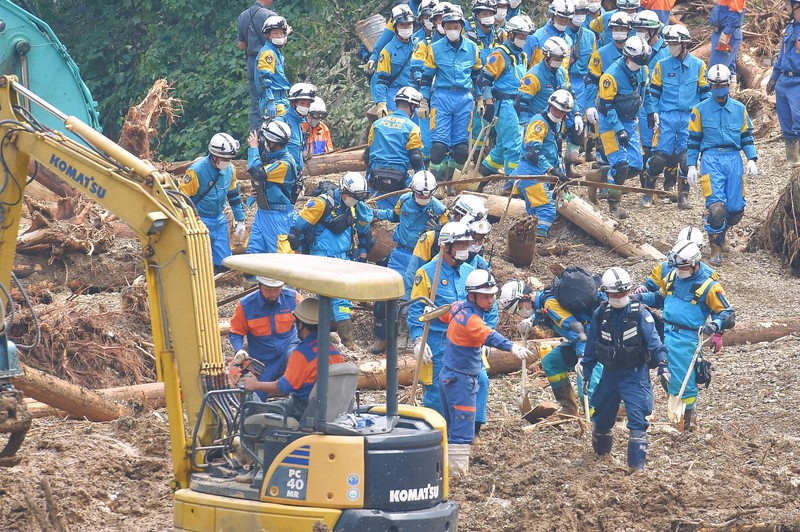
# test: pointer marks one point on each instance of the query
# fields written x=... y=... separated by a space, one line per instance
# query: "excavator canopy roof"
x=335 y=278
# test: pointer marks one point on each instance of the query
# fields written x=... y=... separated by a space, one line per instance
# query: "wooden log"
x=60 y=394
x=337 y=162
x=150 y=394
x=497 y=204
x=582 y=214
x=384 y=244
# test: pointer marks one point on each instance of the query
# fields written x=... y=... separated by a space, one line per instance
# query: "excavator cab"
x=341 y=465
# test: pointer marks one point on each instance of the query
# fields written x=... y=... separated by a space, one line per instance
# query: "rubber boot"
x=715 y=245
x=683 y=201
x=478 y=428
x=377 y=347
x=637 y=450
x=647 y=181
x=602 y=442
x=573 y=154
x=670 y=180
x=724 y=244
x=597 y=175
x=566 y=398
x=689 y=420
x=613 y=205
x=571 y=171
x=590 y=155
x=792 y=152
x=345 y=330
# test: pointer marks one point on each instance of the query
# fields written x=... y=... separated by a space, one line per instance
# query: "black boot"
x=602 y=442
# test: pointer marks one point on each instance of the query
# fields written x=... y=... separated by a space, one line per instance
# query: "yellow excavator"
x=342 y=466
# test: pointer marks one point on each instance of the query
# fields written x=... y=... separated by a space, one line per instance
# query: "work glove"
x=370 y=67
x=722 y=44
x=653 y=121
x=691 y=176
x=578 y=125
x=751 y=169
x=423 y=111
x=480 y=107
x=641 y=289
x=520 y=351
x=579 y=366
x=587 y=378
x=488 y=112
x=557 y=172
x=525 y=327
x=240 y=356
x=664 y=375
x=382 y=110
x=272 y=109
x=238 y=232
x=716 y=342
x=709 y=328
x=622 y=138
x=771 y=86
x=591 y=115
x=427 y=355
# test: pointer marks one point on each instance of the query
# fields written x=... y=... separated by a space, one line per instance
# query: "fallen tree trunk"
x=779 y=232
x=337 y=162
x=142 y=120
x=150 y=395
x=76 y=401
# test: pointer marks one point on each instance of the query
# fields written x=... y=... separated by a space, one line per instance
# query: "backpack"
x=576 y=290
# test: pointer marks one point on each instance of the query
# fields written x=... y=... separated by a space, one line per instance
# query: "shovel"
x=579 y=370
x=468 y=171
x=525 y=407
x=676 y=408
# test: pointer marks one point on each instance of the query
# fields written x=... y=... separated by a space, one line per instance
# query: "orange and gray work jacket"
x=269 y=327
x=467 y=333
x=319 y=138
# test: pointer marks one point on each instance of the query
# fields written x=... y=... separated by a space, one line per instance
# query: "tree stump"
x=779 y=232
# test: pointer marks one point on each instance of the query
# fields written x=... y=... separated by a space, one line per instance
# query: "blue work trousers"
x=252 y=89
x=787 y=103
x=451 y=114
x=579 y=88
x=725 y=58
x=508 y=147
x=459 y=393
x=483 y=396
x=269 y=227
x=220 y=242
x=633 y=387
x=722 y=181
x=672 y=136
x=682 y=345
x=616 y=154
x=274 y=368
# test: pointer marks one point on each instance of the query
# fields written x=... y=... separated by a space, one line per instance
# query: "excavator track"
x=14 y=424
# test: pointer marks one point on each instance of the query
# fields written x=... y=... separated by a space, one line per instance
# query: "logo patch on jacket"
x=187 y=178
x=606 y=83
x=418 y=279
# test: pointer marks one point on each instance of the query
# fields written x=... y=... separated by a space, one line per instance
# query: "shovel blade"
x=675 y=408
x=468 y=172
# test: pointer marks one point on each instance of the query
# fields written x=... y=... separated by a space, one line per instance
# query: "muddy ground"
x=740 y=470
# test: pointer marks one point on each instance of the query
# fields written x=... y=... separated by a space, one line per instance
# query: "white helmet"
x=424 y=183
x=561 y=8
x=637 y=50
x=270 y=283
x=223 y=145
x=620 y=19
x=692 y=234
x=677 y=33
x=481 y=282
x=454 y=232
x=302 y=91
x=354 y=184
x=616 y=280
x=472 y=207
x=409 y=95
x=426 y=8
x=685 y=253
x=555 y=47
x=402 y=13
x=274 y=22
x=481 y=5
x=318 y=107
x=562 y=100
x=511 y=294
x=719 y=74
x=630 y=5
x=480 y=227
x=440 y=9
x=646 y=20
x=276 y=132
x=581 y=4
x=519 y=25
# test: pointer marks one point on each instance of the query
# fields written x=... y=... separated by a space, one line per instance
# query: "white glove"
x=691 y=176
x=427 y=356
x=238 y=231
x=520 y=352
x=657 y=120
x=370 y=67
x=591 y=115
x=240 y=356
x=525 y=327
x=578 y=124
x=752 y=169
x=579 y=366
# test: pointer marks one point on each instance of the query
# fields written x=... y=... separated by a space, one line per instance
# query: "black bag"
x=702 y=372
x=576 y=290
x=388 y=179
x=325 y=188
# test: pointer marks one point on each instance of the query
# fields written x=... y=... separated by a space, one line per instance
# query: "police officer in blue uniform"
x=394 y=62
x=623 y=337
x=301 y=96
x=785 y=83
x=251 y=39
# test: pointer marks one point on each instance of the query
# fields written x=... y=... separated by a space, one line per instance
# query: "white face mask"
x=349 y=201
x=559 y=27
x=619 y=35
x=428 y=24
x=500 y=16
x=278 y=41
x=619 y=303
x=675 y=50
x=313 y=121
x=525 y=312
x=222 y=165
x=578 y=20
x=519 y=43
x=553 y=118
x=515 y=3
x=453 y=35
x=475 y=248
x=555 y=63
x=461 y=254
x=643 y=35
x=683 y=273
x=302 y=110
x=633 y=67
x=487 y=21
x=405 y=33
x=422 y=201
